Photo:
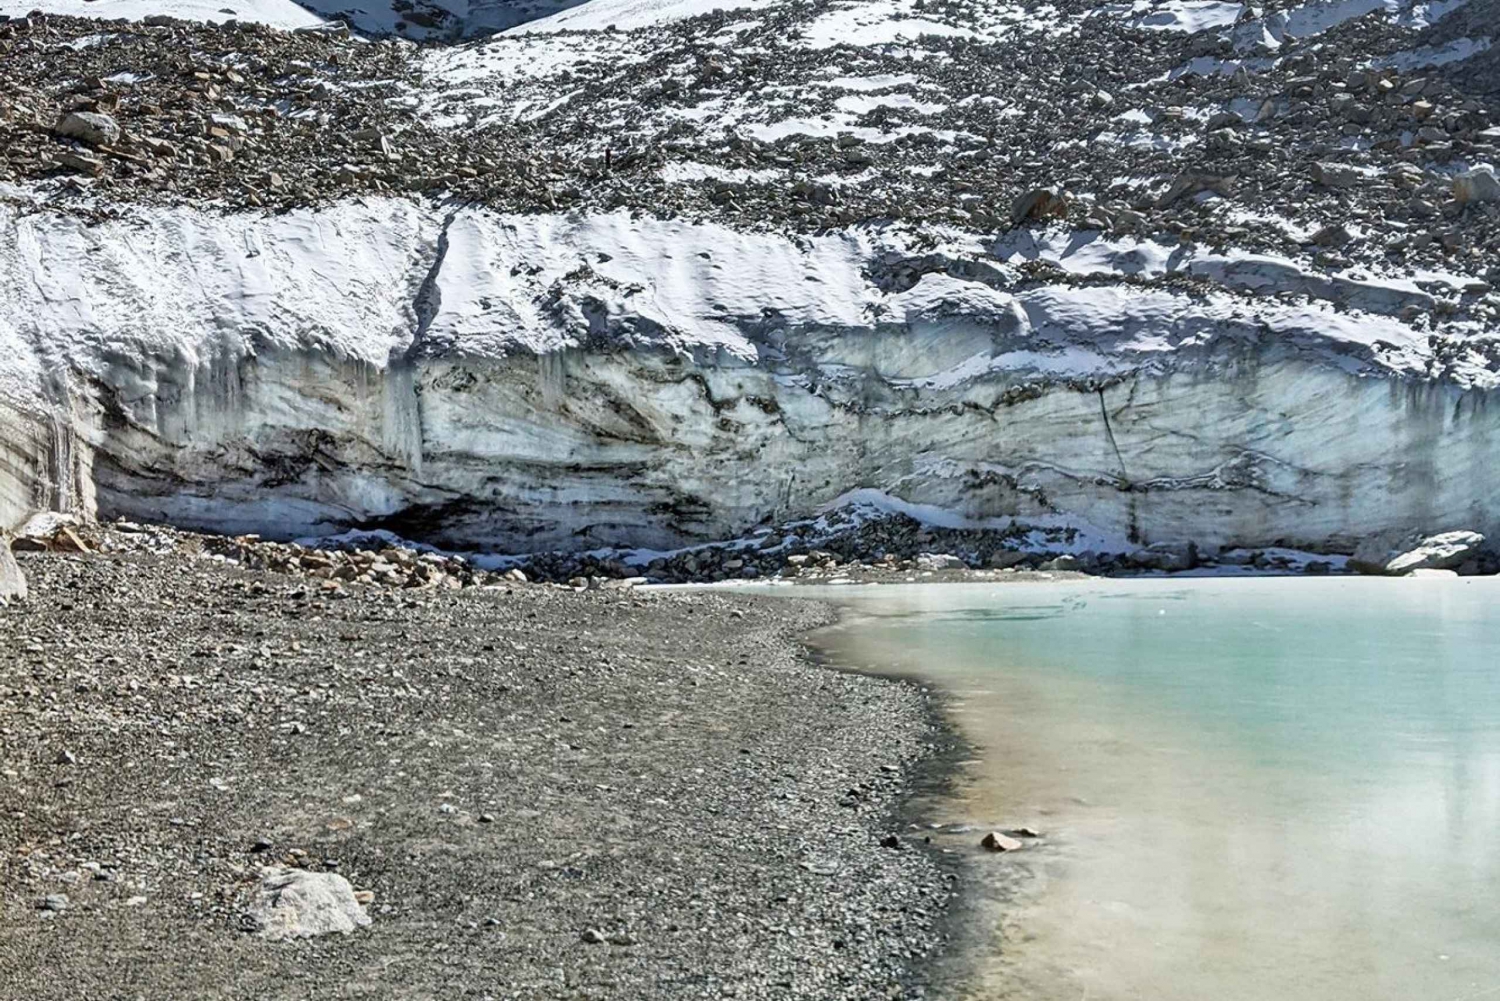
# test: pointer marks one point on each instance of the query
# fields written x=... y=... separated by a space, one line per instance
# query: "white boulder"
x=1437 y=552
x=1395 y=556
x=89 y=127
x=293 y=903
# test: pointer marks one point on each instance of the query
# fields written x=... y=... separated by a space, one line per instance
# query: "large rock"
x=1375 y=551
x=1437 y=552
x=1477 y=185
x=49 y=531
x=1169 y=557
x=1336 y=175
x=939 y=561
x=88 y=127
x=1038 y=205
x=12 y=581
x=1395 y=555
x=297 y=904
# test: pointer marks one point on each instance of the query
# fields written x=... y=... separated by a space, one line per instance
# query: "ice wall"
x=522 y=383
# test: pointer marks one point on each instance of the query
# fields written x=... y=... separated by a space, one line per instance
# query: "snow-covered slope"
x=764 y=259
x=287 y=14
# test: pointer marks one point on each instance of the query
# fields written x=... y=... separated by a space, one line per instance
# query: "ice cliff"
x=531 y=382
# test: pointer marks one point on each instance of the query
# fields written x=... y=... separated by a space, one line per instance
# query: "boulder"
x=1477 y=185
x=939 y=561
x=1004 y=559
x=1038 y=205
x=1374 y=552
x=1395 y=554
x=49 y=531
x=12 y=581
x=88 y=127
x=1191 y=182
x=1335 y=175
x=1437 y=552
x=292 y=903
x=1167 y=557
x=1333 y=235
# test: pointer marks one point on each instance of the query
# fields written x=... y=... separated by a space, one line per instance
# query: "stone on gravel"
x=1477 y=185
x=1335 y=175
x=1004 y=559
x=88 y=127
x=1038 y=205
x=297 y=904
x=12 y=581
x=1170 y=558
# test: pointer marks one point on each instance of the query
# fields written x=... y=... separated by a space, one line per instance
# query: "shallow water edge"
x=1242 y=786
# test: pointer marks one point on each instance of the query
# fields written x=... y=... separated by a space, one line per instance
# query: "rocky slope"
x=652 y=274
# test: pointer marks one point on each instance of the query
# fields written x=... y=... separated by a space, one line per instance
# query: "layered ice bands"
x=520 y=383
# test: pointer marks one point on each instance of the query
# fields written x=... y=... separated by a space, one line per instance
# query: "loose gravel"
x=539 y=793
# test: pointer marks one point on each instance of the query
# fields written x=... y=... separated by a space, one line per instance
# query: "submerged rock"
x=298 y=904
x=997 y=842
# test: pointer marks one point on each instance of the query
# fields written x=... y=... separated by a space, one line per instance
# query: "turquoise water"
x=1248 y=789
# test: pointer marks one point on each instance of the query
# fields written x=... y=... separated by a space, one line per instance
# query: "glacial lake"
x=1247 y=789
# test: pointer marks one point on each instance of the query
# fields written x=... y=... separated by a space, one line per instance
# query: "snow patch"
x=278 y=13
x=628 y=15
x=1434 y=55
x=1185 y=15
x=875 y=23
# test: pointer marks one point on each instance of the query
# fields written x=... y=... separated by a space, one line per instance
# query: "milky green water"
x=1249 y=789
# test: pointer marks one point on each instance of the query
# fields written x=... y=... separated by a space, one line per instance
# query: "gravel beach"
x=539 y=793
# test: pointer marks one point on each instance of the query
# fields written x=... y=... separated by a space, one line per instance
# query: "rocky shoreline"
x=841 y=546
x=532 y=792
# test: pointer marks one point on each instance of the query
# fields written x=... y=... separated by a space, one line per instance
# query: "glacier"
x=520 y=383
